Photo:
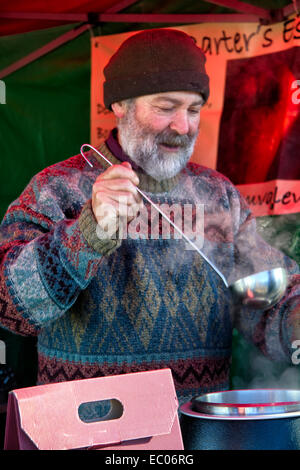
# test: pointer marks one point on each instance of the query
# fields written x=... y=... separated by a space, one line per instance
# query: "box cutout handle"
x=101 y=410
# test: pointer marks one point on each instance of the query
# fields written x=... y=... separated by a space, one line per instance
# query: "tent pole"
x=242 y=7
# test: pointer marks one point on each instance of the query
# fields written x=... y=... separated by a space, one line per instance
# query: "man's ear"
x=119 y=109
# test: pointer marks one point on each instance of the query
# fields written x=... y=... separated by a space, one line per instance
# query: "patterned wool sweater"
x=112 y=306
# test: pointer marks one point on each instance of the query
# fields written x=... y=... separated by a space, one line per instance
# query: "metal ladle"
x=258 y=291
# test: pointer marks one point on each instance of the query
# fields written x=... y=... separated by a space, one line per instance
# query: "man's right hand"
x=115 y=197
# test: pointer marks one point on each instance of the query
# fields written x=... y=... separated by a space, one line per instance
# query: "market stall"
x=51 y=104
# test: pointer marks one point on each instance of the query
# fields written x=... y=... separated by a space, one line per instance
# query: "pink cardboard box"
x=143 y=414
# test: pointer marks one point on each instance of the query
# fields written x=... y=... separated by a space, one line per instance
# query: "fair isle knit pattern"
x=112 y=306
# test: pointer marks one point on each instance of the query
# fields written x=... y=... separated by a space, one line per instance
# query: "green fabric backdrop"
x=46 y=119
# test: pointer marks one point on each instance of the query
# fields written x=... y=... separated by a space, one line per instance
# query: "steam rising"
x=240 y=254
x=261 y=372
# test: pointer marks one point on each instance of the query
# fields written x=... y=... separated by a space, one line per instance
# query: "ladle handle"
x=161 y=212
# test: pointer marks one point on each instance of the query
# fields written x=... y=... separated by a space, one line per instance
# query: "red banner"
x=272 y=197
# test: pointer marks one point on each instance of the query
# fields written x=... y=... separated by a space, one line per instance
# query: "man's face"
x=159 y=131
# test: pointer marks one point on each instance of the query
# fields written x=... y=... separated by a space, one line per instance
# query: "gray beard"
x=143 y=147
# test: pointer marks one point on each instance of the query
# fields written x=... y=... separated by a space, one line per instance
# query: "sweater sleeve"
x=48 y=255
x=275 y=330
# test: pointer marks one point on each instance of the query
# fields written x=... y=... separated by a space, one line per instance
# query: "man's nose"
x=180 y=123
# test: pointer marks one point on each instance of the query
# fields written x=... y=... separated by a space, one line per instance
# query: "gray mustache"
x=174 y=139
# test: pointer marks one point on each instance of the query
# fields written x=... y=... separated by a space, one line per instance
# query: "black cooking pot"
x=265 y=419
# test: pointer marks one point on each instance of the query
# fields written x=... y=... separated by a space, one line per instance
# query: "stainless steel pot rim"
x=186 y=409
x=247 y=403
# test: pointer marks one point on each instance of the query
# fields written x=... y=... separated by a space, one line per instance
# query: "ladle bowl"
x=260 y=291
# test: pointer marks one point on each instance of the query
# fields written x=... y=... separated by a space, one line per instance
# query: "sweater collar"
x=112 y=150
x=116 y=149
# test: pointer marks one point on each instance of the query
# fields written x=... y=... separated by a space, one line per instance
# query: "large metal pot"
x=264 y=419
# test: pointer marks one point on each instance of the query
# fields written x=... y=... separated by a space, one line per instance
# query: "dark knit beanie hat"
x=155 y=61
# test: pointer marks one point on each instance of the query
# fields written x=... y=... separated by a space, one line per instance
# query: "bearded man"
x=102 y=303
